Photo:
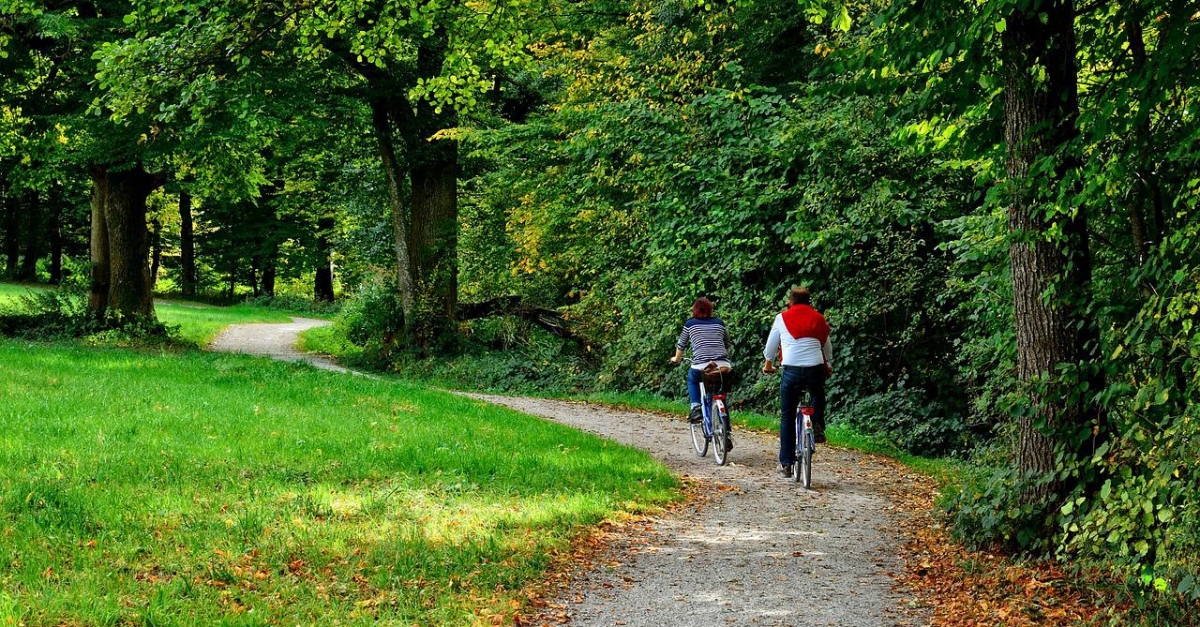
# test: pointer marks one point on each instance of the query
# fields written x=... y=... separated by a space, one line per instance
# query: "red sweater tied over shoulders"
x=804 y=321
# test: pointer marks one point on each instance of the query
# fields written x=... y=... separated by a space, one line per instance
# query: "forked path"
x=755 y=549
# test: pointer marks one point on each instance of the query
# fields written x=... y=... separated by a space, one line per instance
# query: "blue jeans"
x=694 y=378
x=794 y=381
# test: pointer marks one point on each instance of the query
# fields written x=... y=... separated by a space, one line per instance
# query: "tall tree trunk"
x=187 y=244
x=381 y=120
x=1143 y=226
x=1040 y=120
x=155 y=251
x=433 y=237
x=12 y=233
x=33 y=239
x=120 y=243
x=100 y=265
x=254 y=288
x=268 y=278
x=323 y=287
x=54 y=234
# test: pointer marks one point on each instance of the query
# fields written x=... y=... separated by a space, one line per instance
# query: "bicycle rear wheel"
x=804 y=471
x=699 y=442
x=720 y=433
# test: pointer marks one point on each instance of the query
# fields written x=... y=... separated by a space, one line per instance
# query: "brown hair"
x=800 y=295
x=702 y=308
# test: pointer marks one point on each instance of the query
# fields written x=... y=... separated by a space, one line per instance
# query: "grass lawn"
x=199 y=324
x=201 y=489
x=11 y=293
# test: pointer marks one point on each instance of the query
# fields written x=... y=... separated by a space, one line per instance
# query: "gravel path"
x=272 y=340
x=760 y=550
x=756 y=549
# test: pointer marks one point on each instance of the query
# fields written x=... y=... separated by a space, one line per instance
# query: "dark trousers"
x=794 y=381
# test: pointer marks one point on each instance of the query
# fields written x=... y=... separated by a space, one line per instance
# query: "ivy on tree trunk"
x=1049 y=247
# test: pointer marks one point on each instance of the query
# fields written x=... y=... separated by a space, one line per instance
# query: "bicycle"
x=709 y=430
x=806 y=441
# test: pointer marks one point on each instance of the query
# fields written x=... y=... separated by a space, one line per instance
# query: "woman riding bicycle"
x=709 y=341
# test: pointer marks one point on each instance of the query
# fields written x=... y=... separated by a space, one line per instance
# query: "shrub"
x=63 y=313
x=911 y=422
x=295 y=303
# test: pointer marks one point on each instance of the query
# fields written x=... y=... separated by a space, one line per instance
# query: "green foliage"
x=372 y=319
x=630 y=198
x=913 y=423
x=531 y=362
x=297 y=304
x=988 y=511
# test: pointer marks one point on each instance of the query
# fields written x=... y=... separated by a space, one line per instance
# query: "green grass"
x=327 y=340
x=199 y=324
x=11 y=293
x=202 y=489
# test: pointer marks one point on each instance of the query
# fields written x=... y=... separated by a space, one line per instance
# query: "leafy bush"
x=295 y=303
x=533 y=362
x=912 y=422
x=49 y=314
x=63 y=313
x=988 y=511
x=373 y=320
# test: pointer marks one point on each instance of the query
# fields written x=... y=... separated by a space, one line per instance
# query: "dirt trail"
x=760 y=550
x=272 y=340
x=757 y=550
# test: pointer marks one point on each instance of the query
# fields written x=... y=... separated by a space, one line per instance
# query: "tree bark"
x=120 y=243
x=187 y=244
x=33 y=241
x=100 y=264
x=12 y=233
x=254 y=288
x=401 y=214
x=54 y=234
x=155 y=251
x=323 y=284
x=268 y=278
x=1040 y=120
x=433 y=237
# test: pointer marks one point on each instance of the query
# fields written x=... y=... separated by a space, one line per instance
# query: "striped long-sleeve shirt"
x=708 y=339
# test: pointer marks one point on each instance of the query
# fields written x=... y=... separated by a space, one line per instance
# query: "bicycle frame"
x=706 y=404
x=714 y=426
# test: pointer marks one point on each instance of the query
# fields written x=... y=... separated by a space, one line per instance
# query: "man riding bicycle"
x=801 y=336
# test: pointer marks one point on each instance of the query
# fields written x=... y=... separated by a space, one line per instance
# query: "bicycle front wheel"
x=699 y=442
x=720 y=433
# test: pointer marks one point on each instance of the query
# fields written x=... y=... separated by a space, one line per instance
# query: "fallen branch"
x=548 y=319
